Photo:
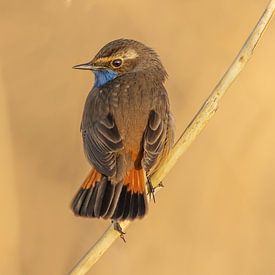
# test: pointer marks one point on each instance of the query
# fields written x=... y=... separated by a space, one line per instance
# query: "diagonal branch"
x=198 y=123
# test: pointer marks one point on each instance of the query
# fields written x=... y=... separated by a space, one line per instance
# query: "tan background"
x=217 y=212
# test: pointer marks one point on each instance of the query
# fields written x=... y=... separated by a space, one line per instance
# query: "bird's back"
x=134 y=95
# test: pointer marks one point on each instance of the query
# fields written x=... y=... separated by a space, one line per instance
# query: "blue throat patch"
x=104 y=76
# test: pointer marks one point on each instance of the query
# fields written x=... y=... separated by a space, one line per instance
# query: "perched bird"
x=127 y=130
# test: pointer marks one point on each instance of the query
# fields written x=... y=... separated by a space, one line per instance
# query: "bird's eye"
x=116 y=63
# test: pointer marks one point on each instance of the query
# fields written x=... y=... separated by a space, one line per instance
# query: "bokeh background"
x=216 y=214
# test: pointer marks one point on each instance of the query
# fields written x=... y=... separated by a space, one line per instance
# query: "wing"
x=100 y=134
x=158 y=135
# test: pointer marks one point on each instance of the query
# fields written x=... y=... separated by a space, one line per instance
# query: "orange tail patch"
x=91 y=179
x=134 y=180
x=132 y=201
x=99 y=197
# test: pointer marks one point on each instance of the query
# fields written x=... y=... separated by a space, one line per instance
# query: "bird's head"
x=124 y=56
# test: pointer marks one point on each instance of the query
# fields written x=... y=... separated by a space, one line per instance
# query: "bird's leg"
x=150 y=189
x=118 y=228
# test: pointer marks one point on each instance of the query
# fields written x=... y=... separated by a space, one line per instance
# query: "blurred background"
x=216 y=214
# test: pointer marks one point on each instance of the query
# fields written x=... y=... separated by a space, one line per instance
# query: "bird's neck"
x=104 y=76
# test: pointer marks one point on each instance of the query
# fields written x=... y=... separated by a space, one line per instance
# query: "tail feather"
x=118 y=213
x=133 y=211
x=142 y=204
x=76 y=201
x=84 y=201
x=87 y=194
x=90 y=203
x=114 y=202
x=107 y=199
x=99 y=197
x=127 y=203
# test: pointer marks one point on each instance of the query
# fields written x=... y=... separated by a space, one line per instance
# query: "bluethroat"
x=127 y=130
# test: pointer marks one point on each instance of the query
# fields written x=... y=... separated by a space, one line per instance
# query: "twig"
x=192 y=131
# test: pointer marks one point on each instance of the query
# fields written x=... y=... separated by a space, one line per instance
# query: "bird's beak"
x=86 y=66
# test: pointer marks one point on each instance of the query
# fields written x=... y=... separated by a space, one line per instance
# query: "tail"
x=99 y=197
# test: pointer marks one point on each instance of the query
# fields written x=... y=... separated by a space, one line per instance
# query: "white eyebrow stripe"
x=130 y=54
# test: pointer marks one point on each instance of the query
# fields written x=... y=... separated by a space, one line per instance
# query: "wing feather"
x=158 y=136
x=100 y=134
x=154 y=139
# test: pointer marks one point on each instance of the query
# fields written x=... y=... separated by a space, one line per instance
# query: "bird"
x=127 y=130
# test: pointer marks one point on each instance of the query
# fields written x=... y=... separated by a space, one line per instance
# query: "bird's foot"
x=118 y=228
x=151 y=189
x=160 y=185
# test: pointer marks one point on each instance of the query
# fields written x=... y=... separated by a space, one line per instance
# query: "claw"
x=118 y=228
x=160 y=185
